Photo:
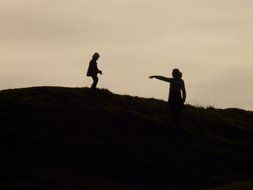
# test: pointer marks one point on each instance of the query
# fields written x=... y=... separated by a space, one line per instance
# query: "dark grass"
x=73 y=138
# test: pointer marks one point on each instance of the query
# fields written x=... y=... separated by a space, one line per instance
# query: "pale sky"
x=50 y=43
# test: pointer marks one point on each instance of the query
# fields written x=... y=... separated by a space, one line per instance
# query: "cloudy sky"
x=50 y=42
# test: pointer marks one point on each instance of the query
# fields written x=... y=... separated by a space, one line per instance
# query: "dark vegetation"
x=72 y=138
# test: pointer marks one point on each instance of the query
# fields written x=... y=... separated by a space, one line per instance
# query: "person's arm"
x=100 y=72
x=160 y=78
x=97 y=70
x=183 y=91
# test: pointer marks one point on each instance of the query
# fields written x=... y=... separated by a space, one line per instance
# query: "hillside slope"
x=72 y=138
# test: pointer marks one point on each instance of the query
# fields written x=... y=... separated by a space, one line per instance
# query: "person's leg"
x=95 y=81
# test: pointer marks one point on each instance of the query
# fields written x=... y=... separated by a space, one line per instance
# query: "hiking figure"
x=93 y=70
x=177 y=92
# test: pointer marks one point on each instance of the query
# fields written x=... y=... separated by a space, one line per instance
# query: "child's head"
x=176 y=73
x=95 y=56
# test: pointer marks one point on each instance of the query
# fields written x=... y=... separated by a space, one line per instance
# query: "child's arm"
x=160 y=78
x=97 y=70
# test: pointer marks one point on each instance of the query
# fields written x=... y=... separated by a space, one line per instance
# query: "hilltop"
x=72 y=138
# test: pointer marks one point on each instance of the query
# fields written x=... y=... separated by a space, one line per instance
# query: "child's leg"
x=95 y=81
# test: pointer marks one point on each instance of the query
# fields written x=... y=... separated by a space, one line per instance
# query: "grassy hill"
x=72 y=138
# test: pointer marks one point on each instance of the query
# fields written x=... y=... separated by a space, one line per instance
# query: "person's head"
x=95 y=56
x=180 y=75
x=176 y=73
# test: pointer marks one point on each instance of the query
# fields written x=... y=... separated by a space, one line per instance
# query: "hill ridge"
x=100 y=137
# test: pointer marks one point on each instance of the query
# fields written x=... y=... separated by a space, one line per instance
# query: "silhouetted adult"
x=93 y=70
x=177 y=92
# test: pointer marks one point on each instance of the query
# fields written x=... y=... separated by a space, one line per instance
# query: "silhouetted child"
x=93 y=70
x=177 y=93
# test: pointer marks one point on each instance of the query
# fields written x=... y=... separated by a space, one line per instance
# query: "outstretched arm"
x=160 y=78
